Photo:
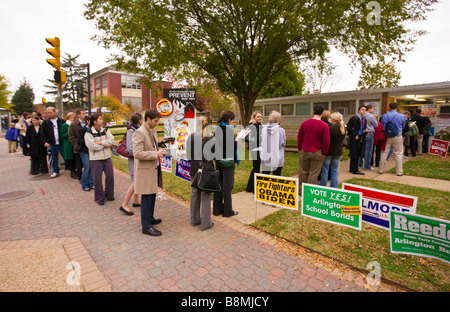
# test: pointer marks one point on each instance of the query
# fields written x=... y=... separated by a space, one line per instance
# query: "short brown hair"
x=152 y=114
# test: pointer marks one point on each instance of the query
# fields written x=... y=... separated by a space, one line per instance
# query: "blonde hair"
x=205 y=124
x=336 y=116
x=274 y=117
x=252 y=119
x=71 y=114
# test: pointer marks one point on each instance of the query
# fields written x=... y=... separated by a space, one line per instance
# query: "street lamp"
x=88 y=85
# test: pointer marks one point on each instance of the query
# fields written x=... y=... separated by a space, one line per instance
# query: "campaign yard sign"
x=166 y=164
x=420 y=235
x=439 y=147
x=377 y=204
x=183 y=169
x=330 y=205
x=276 y=190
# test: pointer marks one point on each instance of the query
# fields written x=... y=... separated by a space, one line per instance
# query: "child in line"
x=11 y=136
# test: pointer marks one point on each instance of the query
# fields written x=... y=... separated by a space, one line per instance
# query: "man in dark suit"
x=74 y=129
x=355 y=127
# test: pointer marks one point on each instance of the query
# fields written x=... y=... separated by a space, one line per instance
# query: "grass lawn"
x=427 y=166
x=358 y=248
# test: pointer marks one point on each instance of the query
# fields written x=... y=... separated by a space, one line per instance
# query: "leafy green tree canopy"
x=244 y=44
x=23 y=98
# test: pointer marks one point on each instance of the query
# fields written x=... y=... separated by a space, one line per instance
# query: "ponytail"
x=336 y=116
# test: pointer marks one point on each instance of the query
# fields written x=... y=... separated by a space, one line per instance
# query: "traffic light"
x=59 y=76
x=55 y=52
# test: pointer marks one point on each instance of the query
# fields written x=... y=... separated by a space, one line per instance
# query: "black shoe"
x=101 y=202
x=233 y=213
x=217 y=213
x=152 y=232
x=136 y=205
x=359 y=173
x=208 y=227
x=73 y=175
x=156 y=221
x=128 y=213
x=110 y=199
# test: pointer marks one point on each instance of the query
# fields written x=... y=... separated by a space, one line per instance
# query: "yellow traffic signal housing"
x=63 y=77
x=55 y=52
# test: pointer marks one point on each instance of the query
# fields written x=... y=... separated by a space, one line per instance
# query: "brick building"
x=126 y=87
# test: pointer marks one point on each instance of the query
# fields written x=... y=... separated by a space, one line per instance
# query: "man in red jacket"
x=313 y=141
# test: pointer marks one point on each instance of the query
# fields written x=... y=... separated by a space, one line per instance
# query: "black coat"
x=47 y=134
x=356 y=146
x=33 y=139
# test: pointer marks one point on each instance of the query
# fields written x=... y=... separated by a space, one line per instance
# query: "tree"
x=113 y=104
x=380 y=75
x=244 y=44
x=320 y=75
x=288 y=82
x=23 y=98
x=4 y=92
x=73 y=90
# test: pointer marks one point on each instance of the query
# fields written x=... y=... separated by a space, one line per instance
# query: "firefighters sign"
x=275 y=190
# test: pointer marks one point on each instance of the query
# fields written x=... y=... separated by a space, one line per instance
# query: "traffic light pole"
x=60 y=107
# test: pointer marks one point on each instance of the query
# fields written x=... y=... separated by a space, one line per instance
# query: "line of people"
x=86 y=148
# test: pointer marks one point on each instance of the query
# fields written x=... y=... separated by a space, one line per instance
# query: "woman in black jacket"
x=254 y=139
x=226 y=157
x=36 y=148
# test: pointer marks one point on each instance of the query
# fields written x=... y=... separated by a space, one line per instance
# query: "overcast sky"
x=24 y=25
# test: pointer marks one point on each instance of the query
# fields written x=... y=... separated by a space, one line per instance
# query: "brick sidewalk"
x=228 y=257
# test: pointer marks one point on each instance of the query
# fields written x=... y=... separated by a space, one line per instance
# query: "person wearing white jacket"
x=99 y=142
x=272 y=145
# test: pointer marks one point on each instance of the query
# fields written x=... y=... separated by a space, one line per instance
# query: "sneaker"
x=380 y=171
x=54 y=175
x=371 y=168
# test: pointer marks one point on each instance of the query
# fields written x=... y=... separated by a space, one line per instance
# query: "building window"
x=302 y=109
x=134 y=102
x=344 y=107
x=287 y=109
x=131 y=82
x=104 y=82
x=269 y=108
x=97 y=83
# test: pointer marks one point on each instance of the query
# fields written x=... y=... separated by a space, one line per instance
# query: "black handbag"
x=207 y=180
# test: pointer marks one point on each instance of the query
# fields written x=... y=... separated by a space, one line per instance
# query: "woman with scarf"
x=226 y=157
x=136 y=122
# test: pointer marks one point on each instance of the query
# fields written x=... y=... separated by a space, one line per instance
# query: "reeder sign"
x=420 y=235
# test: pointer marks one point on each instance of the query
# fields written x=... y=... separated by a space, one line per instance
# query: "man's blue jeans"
x=54 y=150
x=330 y=163
x=87 y=181
x=368 y=151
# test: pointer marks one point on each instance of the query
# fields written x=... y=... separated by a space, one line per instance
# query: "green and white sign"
x=326 y=203
x=419 y=235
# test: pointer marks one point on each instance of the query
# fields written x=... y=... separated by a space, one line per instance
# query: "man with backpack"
x=393 y=123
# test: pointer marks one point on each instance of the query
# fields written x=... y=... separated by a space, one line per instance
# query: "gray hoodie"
x=272 y=145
